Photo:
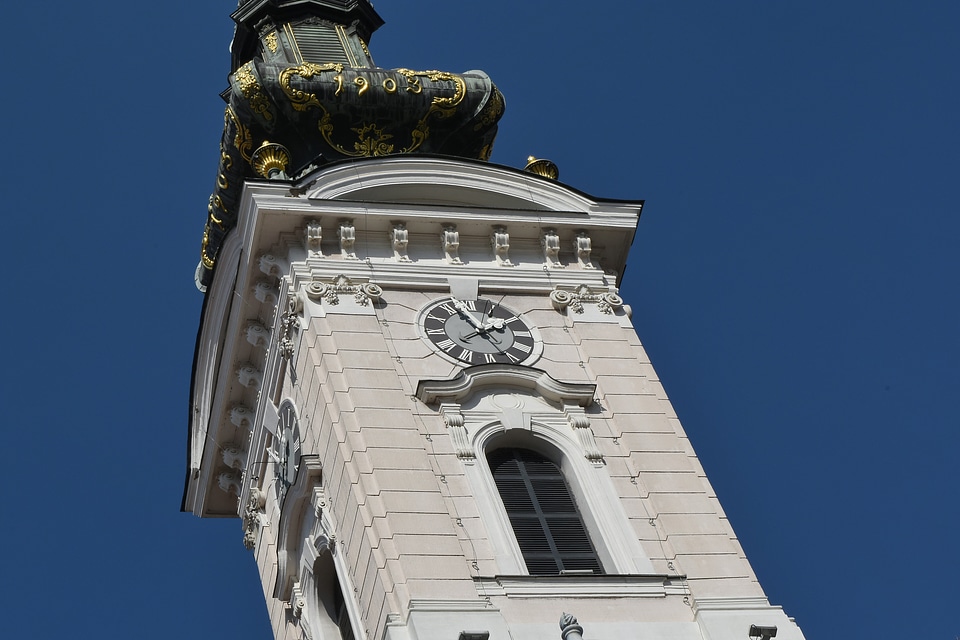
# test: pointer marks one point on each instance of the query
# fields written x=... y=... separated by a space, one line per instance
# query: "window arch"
x=327 y=606
x=500 y=406
x=546 y=522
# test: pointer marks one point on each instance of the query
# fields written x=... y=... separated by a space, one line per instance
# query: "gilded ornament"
x=242 y=139
x=271 y=160
x=492 y=111
x=543 y=168
x=251 y=90
x=207 y=262
x=215 y=203
x=375 y=144
x=443 y=107
x=271 y=41
x=301 y=100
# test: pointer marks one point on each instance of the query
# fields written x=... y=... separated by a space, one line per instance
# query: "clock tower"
x=415 y=383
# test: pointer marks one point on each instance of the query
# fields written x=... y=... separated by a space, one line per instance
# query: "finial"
x=271 y=160
x=544 y=168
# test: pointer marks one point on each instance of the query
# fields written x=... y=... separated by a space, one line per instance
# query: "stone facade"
x=354 y=448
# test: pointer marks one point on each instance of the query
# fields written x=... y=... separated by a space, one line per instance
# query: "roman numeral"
x=513 y=357
x=446 y=345
x=526 y=348
x=435 y=332
x=490 y=358
x=448 y=308
x=523 y=334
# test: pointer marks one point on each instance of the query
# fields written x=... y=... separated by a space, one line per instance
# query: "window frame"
x=551 y=530
x=484 y=403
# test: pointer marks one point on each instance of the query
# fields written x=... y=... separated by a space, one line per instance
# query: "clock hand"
x=496 y=323
x=465 y=312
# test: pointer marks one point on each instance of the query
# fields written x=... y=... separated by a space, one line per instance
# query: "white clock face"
x=478 y=332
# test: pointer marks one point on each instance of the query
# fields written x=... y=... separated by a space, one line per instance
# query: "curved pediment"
x=472 y=380
x=443 y=181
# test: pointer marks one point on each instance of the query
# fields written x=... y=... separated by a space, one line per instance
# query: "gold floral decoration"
x=251 y=90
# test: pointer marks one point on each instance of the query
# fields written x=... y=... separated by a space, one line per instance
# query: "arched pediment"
x=482 y=377
x=443 y=181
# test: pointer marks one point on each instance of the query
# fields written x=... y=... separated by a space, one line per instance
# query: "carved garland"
x=607 y=301
x=330 y=293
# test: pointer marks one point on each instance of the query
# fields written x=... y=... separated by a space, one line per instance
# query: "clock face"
x=478 y=332
x=288 y=447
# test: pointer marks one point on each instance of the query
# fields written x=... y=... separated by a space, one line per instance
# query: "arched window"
x=545 y=519
x=330 y=618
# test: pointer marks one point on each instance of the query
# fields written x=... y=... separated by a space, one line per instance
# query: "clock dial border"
x=288 y=464
x=443 y=325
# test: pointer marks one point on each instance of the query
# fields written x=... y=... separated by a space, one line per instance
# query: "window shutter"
x=545 y=519
x=319 y=43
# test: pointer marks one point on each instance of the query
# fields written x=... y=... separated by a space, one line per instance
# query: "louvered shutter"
x=319 y=43
x=545 y=519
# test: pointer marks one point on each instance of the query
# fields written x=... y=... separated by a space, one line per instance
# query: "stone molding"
x=289 y=542
x=597 y=586
x=472 y=379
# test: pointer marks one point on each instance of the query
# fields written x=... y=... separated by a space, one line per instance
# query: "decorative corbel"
x=450 y=241
x=318 y=502
x=324 y=542
x=348 y=238
x=580 y=424
x=234 y=456
x=242 y=416
x=312 y=239
x=270 y=265
x=399 y=238
x=297 y=601
x=458 y=431
x=582 y=247
x=266 y=292
x=229 y=482
x=550 y=241
x=257 y=334
x=249 y=376
x=500 y=240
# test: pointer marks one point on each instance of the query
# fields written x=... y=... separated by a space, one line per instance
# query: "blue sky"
x=794 y=279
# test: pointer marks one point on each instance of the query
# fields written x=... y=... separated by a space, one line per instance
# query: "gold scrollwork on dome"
x=371 y=140
x=492 y=111
x=242 y=139
x=301 y=100
x=252 y=91
x=441 y=106
x=208 y=262
x=215 y=205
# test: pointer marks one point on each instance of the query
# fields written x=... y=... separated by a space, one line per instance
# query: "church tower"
x=415 y=383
